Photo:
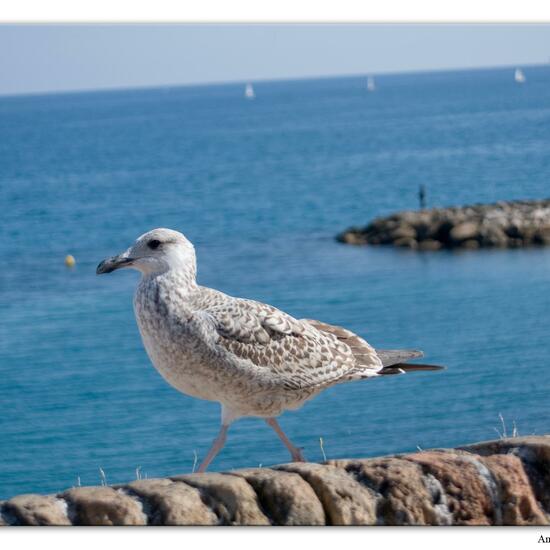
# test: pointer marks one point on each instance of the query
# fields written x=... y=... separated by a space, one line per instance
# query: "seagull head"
x=156 y=251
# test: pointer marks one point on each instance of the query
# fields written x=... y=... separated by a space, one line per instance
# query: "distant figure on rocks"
x=422 y=197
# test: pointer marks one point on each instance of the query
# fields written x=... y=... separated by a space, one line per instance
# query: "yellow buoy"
x=70 y=261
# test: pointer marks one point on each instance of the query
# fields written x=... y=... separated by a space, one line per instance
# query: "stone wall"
x=502 y=482
x=500 y=225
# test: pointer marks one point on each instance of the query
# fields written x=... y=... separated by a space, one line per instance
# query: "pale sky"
x=45 y=58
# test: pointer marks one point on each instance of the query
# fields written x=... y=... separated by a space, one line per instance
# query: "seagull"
x=252 y=358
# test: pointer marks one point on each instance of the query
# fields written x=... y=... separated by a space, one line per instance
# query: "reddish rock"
x=534 y=452
x=500 y=482
x=403 y=495
x=517 y=503
x=464 y=492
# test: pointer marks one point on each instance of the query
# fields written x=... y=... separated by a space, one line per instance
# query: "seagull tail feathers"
x=402 y=368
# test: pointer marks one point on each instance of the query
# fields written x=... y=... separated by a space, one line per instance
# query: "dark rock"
x=470 y=244
x=406 y=242
x=442 y=230
x=429 y=244
x=503 y=224
x=542 y=236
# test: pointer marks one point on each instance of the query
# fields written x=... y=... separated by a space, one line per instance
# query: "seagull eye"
x=154 y=244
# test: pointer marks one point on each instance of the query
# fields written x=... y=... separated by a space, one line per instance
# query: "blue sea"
x=261 y=188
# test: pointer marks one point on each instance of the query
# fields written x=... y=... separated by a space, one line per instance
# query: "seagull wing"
x=250 y=322
x=392 y=361
x=367 y=360
x=302 y=356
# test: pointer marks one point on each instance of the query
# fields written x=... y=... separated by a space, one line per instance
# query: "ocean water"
x=262 y=187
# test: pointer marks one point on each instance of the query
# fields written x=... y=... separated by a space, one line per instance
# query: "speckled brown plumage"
x=251 y=357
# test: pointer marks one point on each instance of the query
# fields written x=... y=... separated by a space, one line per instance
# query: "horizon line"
x=114 y=89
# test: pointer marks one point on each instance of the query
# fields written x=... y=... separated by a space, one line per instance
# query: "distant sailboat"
x=371 y=86
x=249 y=92
x=519 y=77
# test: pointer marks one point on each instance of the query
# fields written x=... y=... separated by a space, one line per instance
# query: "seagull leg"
x=295 y=452
x=217 y=445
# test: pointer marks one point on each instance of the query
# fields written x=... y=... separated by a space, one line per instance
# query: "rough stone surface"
x=464 y=231
x=500 y=482
x=345 y=500
x=429 y=244
x=403 y=496
x=503 y=224
x=286 y=497
x=534 y=453
x=37 y=510
x=103 y=506
x=230 y=497
x=517 y=503
x=169 y=502
x=464 y=493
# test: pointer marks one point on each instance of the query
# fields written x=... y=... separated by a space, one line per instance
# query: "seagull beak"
x=116 y=262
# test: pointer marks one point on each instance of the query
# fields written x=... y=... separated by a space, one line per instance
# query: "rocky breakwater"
x=503 y=224
x=501 y=482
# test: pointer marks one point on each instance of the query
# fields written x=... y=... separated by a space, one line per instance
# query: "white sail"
x=249 y=92
x=519 y=76
x=371 y=86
